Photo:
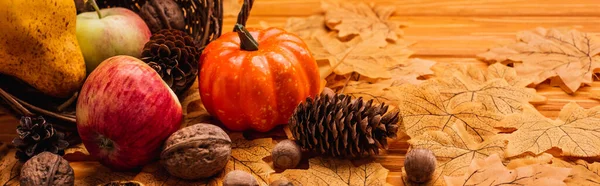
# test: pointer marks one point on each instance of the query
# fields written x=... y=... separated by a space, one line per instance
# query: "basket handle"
x=244 y=13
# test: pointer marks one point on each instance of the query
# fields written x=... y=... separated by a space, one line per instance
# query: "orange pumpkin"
x=257 y=83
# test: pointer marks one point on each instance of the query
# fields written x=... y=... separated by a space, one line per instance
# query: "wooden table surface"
x=447 y=31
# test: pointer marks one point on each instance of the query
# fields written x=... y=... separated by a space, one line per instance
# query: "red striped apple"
x=125 y=112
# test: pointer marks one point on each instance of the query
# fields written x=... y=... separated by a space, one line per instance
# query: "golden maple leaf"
x=93 y=173
x=546 y=53
x=10 y=167
x=331 y=171
x=482 y=75
x=544 y=158
x=455 y=149
x=245 y=155
x=361 y=19
x=582 y=174
x=423 y=109
x=576 y=132
x=491 y=172
x=495 y=94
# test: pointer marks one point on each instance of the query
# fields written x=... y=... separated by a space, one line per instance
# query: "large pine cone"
x=174 y=55
x=341 y=127
x=37 y=136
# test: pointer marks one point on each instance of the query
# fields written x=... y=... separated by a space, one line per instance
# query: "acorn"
x=286 y=154
x=419 y=165
x=239 y=178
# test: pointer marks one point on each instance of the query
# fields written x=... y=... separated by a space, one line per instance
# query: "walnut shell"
x=162 y=14
x=47 y=169
x=286 y=154
x=419 y=165
x=197 y=151
x=239 y=178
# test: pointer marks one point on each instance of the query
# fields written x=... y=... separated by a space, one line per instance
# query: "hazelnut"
x=47 y=169
x=281 y=182
x=419 y=165
x=239 y=178
x=162 y=14
x=286 y=154
x=197 y=151
x=123 y=183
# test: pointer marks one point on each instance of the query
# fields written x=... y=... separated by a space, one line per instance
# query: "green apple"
x=110 y=32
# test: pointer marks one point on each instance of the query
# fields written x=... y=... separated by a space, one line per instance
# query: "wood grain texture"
x=447 y=31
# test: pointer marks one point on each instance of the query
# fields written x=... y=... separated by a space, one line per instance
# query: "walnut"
x=286 y=154
x=281 y=182
x=239 y=178
x=47 y=169
x=162 y=14
x=197 y=151
x=419 y=165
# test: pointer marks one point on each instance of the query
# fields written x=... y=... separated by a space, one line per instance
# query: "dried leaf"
x=481 y=75
x=491 y=172
x=231 y=8
x=331 y=171
x=306 y=28
x=410 y=72
x=77 y=153
x=582 y=173
x=351 y=19
x=495 y=94
x=193 y=109
x=245 y=155
x=546 y=53
x=455 y=149
x=423 y=109
x=93 y=173
x=544 y=158
x=576 y=132
x=10 y=167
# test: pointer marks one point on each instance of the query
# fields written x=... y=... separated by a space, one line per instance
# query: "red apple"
x=125 y=112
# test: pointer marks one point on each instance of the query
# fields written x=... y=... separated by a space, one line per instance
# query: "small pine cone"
x=37 y=136
x=174 y=55
x=341 y=127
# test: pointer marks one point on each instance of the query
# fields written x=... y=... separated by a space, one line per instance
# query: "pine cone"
x=36 y=136
x=341 y=127
x=174 y=55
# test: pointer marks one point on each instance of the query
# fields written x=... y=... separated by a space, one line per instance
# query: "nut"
x=47 y=169
x=197 y=151
x=239 y=178
x=419 y=165
x=162 y=14
x=281 y=182
x=286 y=154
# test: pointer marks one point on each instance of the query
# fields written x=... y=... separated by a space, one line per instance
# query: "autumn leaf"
x=10 y=167
x=582 y=174
x=576 y=132
x=497 y=95
x=246 y=155
x=331 y=171
x=482 y=75
x=366 y=21
x=491 y=172
x=93 y=173
x=78 y=152
x=455 y=149
x=542 y=54
x=193 y=110
x=544 y=158
x=423 y=109
x=306 y=27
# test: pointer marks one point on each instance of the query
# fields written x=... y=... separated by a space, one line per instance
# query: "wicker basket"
x=203 y=18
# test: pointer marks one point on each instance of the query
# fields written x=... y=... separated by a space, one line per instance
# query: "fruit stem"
x=248 y=42
x=244 y=13
x=95 y=5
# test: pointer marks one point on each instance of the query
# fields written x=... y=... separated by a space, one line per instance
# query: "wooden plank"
x=459 y=36
x=445 y=8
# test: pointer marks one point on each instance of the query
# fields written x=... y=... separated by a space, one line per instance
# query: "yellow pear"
x=38 y=44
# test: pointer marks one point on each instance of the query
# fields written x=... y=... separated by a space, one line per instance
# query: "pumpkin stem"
x=248 y=42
